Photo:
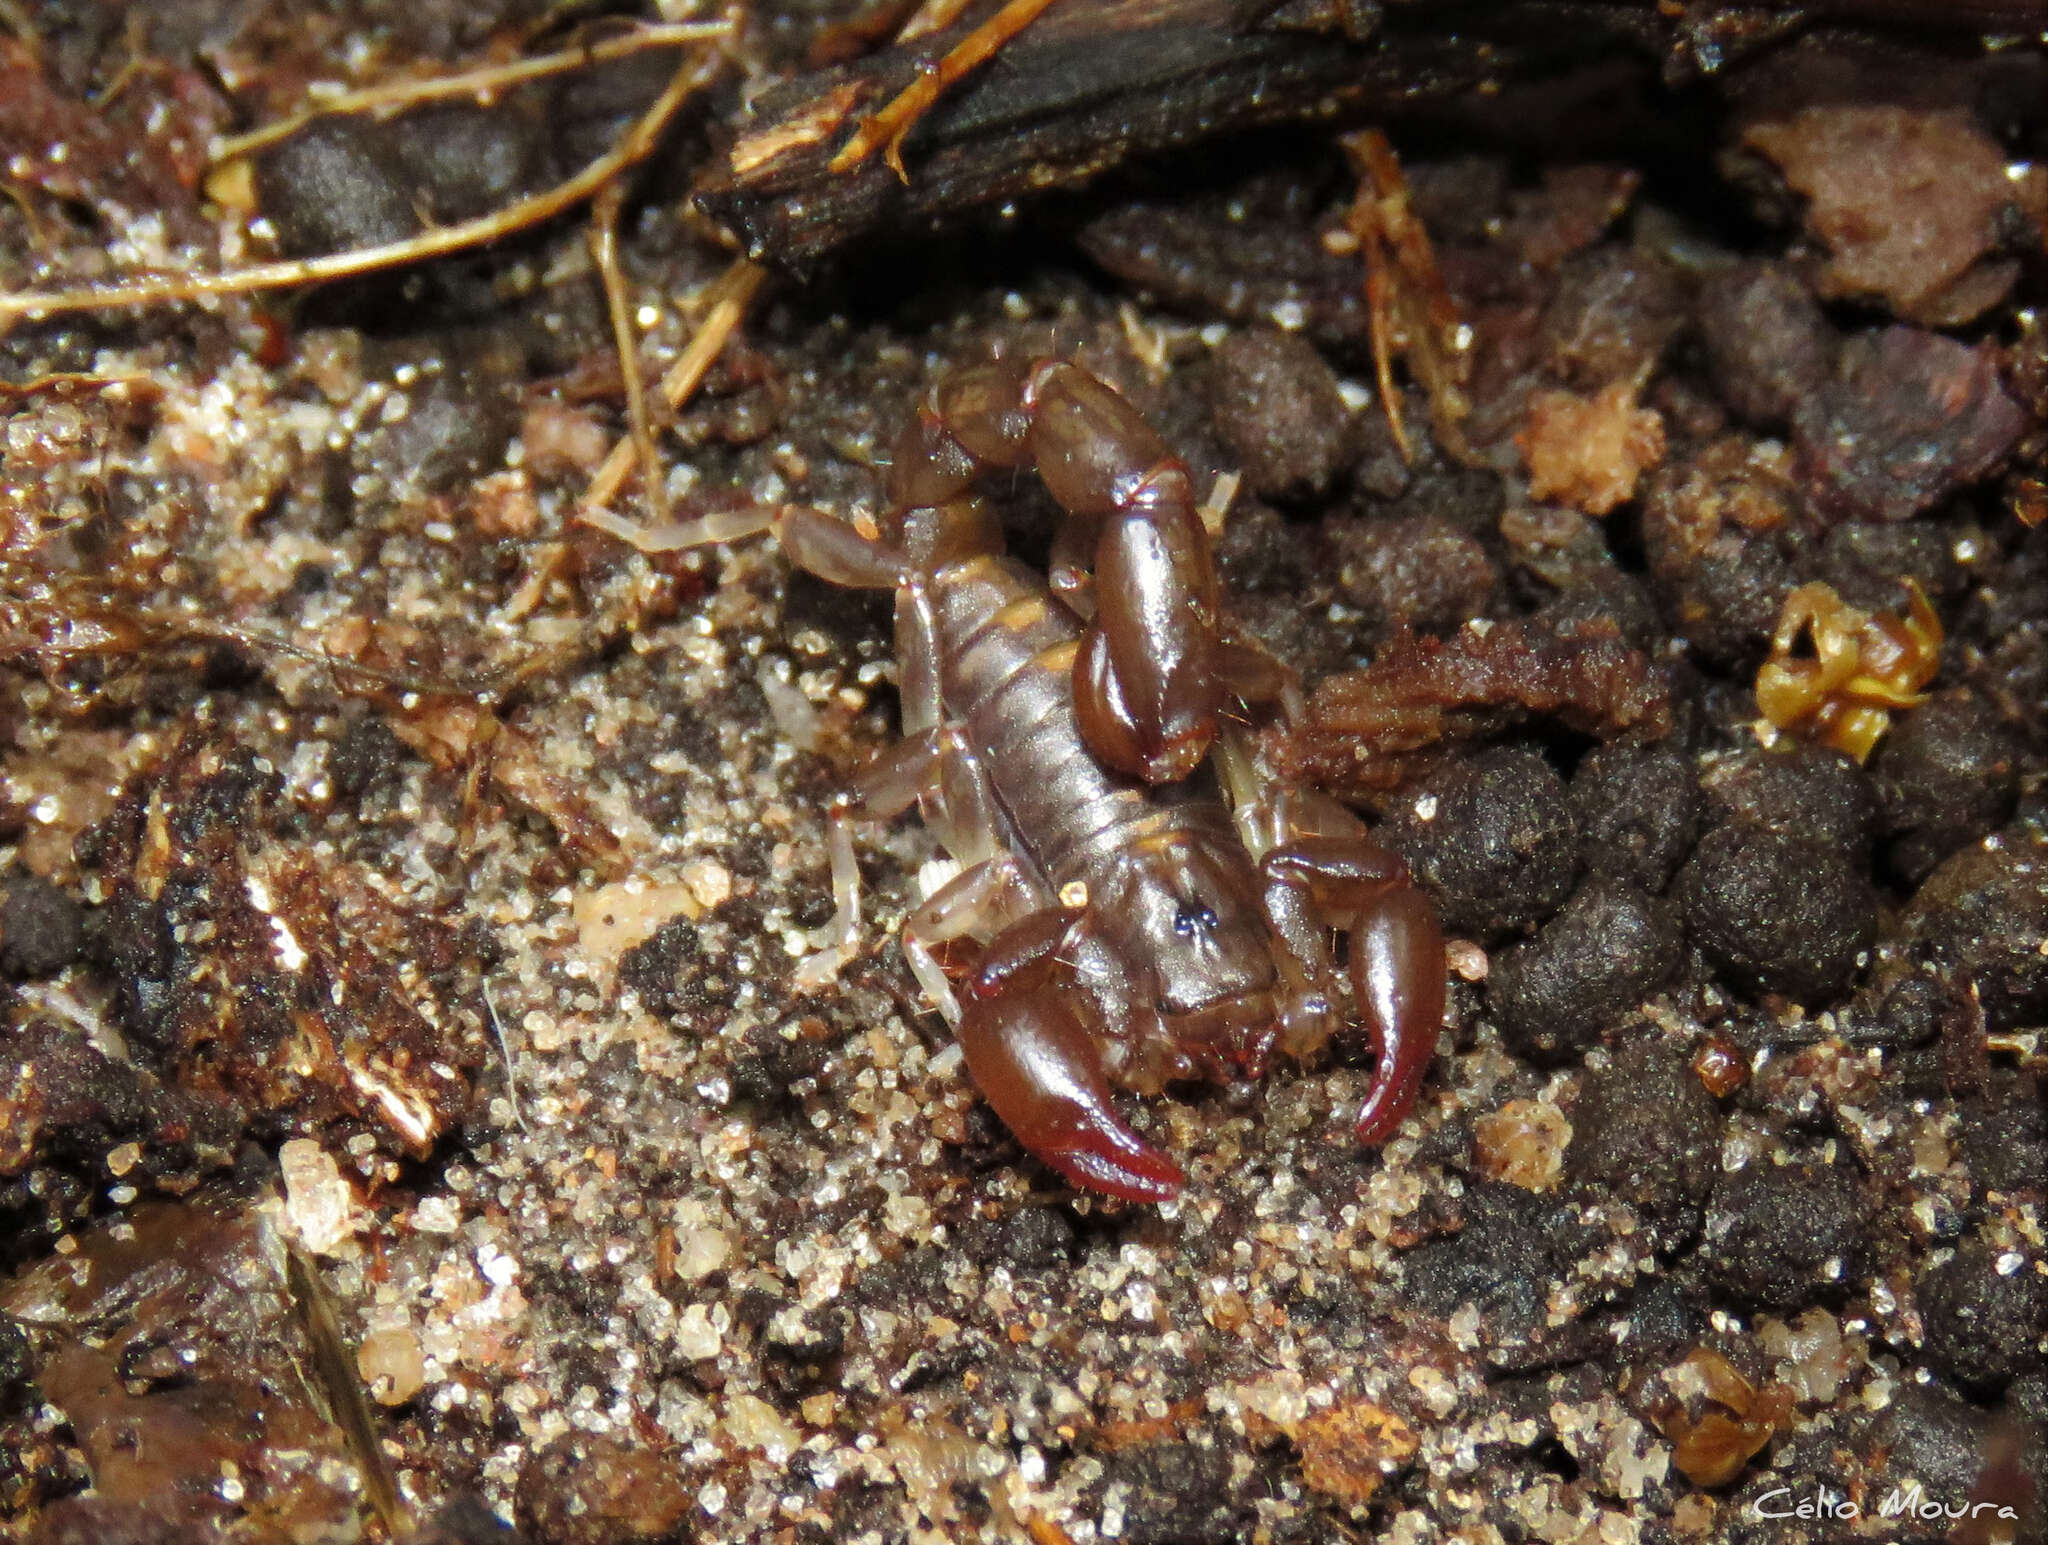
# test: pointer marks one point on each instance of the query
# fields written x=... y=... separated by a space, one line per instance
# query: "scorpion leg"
x=1043 y=1074
x=839 y=941
x=837 y=552
x=1396 y=957
x=965 y=904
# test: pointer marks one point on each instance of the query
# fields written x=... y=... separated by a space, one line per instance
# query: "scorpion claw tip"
x=1388 y=1102
x=1378 y=1121
x=1123 y=1167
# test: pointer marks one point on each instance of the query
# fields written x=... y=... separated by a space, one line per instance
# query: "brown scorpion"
x=1135 y=930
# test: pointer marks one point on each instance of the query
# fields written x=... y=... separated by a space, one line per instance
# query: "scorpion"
x=1135 y=929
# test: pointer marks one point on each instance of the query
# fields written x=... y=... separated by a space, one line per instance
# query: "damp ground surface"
x=403 y=874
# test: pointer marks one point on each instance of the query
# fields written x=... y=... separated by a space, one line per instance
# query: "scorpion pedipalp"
x=1041 y=1073
x=1396 y=954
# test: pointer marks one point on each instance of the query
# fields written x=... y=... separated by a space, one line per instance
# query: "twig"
x=931 y=16
x=730 y=294
x=604 y=251
x=692 y=76
x=888 y=127
x=480 y=83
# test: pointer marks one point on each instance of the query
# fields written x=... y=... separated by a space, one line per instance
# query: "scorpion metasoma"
x=1135 y=929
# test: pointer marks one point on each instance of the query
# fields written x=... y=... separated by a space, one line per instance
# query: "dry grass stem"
x=728 y=297
x=604 y=250
x=482 y=84
x=159 y=289
x=885 y=130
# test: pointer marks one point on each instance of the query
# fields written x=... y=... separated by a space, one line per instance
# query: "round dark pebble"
x=1258 y=551
x=1662 y=1324
x=1778 y=913
x=464 y=1520
x=2004 y=1134
x=1947 y=774
x=2027 y=1399
x=1768 y=343
x=1491 y=839
x=1712 y=523
x=1797 y=789
x=1608 y=949
x=1646 y=1132
x=1985 y=1309
x=42 y=927
x=1291 y=629
x=1865 y=560
x=1638 y=810
x=1417 y=569
x=1459 y=199
x=654 y=967
x=463 y=161
x=1176 y=1492
x=1928 y=1438
x=367 y=755
x=1908 y=417
x=1909 y=1014
x=1614 y=310
x=1783 y=1237
x=1982 y=914
x=333 y=186
x=1277 y=407
x=457 y=422
x=1035 y=1238
x=1598 y=597
x=1502 y=1261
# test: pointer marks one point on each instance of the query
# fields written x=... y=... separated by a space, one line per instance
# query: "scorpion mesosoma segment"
x=1133 y=933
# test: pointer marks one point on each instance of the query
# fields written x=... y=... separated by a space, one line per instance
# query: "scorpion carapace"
x=1135 y=929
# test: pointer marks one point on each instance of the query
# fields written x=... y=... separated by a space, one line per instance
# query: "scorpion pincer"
x=1135 y=930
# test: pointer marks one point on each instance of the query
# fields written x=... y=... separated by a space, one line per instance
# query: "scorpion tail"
x=1040 y=1072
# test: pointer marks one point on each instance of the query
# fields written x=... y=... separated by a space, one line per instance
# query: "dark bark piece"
x=1086 y=87
x=1093 y=83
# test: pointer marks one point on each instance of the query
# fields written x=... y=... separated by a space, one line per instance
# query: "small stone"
x=392 y=1364
x=1523 y=1143
x=753 y=1423
x=318 y=1205
x=42 y=928
x=696 y=1337
x=1278 y=406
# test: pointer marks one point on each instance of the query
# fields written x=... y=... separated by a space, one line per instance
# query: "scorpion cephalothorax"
x=1135 y=928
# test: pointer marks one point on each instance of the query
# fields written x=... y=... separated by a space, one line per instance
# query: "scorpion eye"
x=1187 y=920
